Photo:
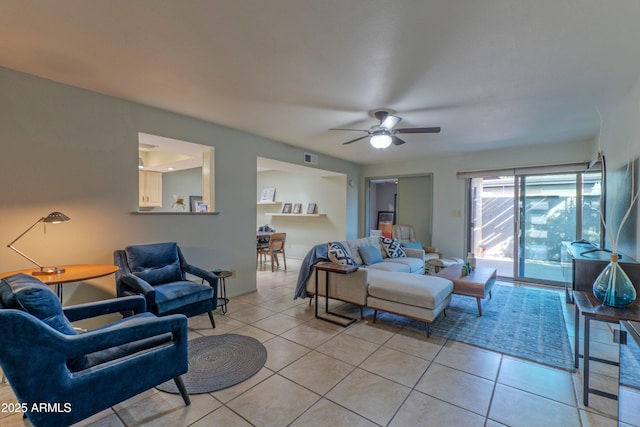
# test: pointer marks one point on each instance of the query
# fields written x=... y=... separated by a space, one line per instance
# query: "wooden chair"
x=275 y=247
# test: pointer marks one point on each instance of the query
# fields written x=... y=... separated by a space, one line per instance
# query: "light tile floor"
x=382 y=374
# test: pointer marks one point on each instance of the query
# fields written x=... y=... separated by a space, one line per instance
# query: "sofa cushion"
x=353 y=246
x=370 y=254
x=26 y=293
x=394 y=267
x=339 y=254
x=410 y=289
x=414 y=265
x=393 y=248
x=155 y=263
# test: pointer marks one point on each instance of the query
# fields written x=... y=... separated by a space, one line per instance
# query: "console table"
x=331 y=267
x=592 y=309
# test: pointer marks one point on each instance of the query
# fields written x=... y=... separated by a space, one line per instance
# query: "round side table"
x=222 y=297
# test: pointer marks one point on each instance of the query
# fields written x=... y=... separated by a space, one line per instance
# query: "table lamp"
x=52 y=218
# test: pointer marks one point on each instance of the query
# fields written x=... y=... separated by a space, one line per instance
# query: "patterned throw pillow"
x=393 y=248
x=339 y=254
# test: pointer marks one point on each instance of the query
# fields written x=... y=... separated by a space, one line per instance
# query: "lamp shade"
x=56 y=218
x=380 y=141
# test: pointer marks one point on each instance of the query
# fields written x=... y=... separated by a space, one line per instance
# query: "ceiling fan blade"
x=359 y=130
x=396 y=141
x=354 y=140
x=390 y=121
x=419 y=130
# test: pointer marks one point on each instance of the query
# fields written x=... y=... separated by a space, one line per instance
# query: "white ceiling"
x=491 y=73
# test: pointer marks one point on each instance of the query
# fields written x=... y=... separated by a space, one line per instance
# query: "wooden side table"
x=331 y=267
x=71 y=273
x=593 y=309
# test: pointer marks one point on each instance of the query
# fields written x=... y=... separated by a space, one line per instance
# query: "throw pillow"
x=339 y=254
x=412 y=245
x=393 y=248
x=370 y=254
x=26 y=293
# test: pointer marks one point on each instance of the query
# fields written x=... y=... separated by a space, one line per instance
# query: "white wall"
x=70 y=150
x=620 y=142
x=449 y=198
x=304 y=232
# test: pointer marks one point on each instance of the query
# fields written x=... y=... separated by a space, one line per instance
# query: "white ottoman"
x=415 y=296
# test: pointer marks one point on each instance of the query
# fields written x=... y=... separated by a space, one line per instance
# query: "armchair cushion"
x=174 y=295
x=155 y=263
x=26 y=293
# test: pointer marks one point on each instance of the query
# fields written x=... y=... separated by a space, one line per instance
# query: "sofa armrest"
x=430 y=249
x=350 y=287
x=415 y=253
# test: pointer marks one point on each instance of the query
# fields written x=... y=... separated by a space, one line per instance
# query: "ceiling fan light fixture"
x=380 y=141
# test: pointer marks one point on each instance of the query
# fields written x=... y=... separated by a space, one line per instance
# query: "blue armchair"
x=47 y=362
x=158 y=272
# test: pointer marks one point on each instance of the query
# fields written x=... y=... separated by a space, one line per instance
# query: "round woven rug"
x=219 y=361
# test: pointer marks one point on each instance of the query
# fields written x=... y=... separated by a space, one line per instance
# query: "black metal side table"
x=330 y=267
x=222 y=288
x=593 y=309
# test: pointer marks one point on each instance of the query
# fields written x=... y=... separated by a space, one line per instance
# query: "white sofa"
x=396 y=285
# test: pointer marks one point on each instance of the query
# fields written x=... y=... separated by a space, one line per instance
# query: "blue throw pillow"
x=156 y=263
x=339 y=254
x=26 y=293
x=370 y=254
x=412 y=245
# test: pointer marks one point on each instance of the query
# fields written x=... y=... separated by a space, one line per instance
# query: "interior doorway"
x=403 y=199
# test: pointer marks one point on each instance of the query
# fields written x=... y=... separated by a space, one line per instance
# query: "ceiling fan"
x=382 y=135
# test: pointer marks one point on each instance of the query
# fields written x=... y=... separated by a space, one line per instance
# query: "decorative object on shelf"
x=286 y=208
x=52 y=218
x=613 y=286
x=311 y=208
x=297 y=208
x=178 y=203
x=193 y=203
x=268 y=195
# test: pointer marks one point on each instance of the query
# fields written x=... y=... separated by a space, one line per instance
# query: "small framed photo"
x=193 y=203
x=311 y=208
x=286 y=208
x=268 y=195
x=297 y=208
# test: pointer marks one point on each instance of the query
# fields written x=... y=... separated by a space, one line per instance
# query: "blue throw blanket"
x=317 y=254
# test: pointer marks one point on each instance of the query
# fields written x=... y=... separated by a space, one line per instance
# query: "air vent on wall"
x=311 y=159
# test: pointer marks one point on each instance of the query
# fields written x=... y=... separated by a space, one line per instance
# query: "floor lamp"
x=52 y=218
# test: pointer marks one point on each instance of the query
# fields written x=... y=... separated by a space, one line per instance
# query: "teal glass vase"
x=613 y=286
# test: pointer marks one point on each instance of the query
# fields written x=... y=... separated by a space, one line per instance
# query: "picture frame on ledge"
x=268 y=195
x=297 y=208
x=286 y=208
x=311 y=208
x=386 y=220
x=193 y=203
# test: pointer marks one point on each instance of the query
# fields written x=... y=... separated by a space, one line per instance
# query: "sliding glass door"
x=518 y=223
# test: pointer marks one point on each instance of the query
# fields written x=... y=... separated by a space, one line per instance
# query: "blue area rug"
x=522 y=322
